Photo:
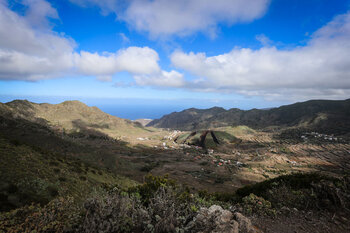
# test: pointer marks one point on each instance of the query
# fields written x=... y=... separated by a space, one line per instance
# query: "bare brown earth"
x=304 y=222
x=258 y=156
x=246 y=156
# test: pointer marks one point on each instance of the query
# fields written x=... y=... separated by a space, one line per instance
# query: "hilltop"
x=72 y=117
x=325 y=115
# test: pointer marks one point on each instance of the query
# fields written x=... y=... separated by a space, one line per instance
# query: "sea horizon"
x=133 y=109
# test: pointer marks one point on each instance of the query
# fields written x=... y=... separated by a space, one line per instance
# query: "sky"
x=146 y=58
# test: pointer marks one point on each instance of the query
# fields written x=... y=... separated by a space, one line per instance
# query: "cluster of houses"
x=172 y=135
x=319 y=136
x=220 y=162
x=293 y=163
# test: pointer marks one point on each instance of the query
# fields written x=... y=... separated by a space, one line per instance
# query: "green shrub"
x=253 y=204
x=62 y=179
x=302 y=191
x=151 y=186
x=113 y=213
x=60 y=215
x=295 y=181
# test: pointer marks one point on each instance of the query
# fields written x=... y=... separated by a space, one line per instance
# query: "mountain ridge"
x=70 y=116
x=302 y=114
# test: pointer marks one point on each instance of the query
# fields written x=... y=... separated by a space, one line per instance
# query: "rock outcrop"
x=218 y=220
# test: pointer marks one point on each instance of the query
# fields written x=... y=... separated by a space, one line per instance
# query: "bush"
x=253 y=204
x=113 y=213
x=151 y=186
x=169 y=212
x=295 y=181
x=60 y=215
x=302 y=191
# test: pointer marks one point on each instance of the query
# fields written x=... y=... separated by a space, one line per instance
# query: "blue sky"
x=178 y=54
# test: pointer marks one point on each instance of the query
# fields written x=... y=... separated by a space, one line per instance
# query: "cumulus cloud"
x=321 y=68
x=33 y=53
x=180 y=17
x=161 y=79
x=135 y=60
x=38 y=11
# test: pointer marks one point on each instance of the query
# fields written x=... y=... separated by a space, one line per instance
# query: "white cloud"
x=264 y=40
x=161 y=79
x=124 y=38
x=180 y=17
x=38 y=11
x=106 y=6
x=135 y=60
x=32 y=53
x=321 y=68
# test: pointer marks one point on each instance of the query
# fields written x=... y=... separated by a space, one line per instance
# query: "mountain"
x=321 y=114
x=143 y=122
x=62 y=170
x=72 y=117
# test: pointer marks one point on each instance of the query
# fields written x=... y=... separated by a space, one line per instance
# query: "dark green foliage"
x=113 y=213
x=253 y=204
x=149 y=167
x=151 y=186
x=162 y=207
x=29 y=176
x=221 y=197
x=62 y=179
x=295 y=181
x=158 y=205
x=302 y=191
x=60 y=215
x=219 y=180
x=54 y=163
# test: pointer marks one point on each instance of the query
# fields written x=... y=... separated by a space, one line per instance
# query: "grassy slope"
x=39 y=163
x=74 y=116
x=30 y=175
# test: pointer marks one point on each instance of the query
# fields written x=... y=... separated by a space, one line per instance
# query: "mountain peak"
x=73 y=102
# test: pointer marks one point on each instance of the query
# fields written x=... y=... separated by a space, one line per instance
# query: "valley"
x=222 y=160
x=61 y=149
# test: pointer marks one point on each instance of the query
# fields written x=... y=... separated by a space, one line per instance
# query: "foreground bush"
x=60 y=215
x=158 y=205
x=113 y=213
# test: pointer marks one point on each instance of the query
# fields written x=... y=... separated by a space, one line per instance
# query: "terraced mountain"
x=325 y=115
x=208 y=139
